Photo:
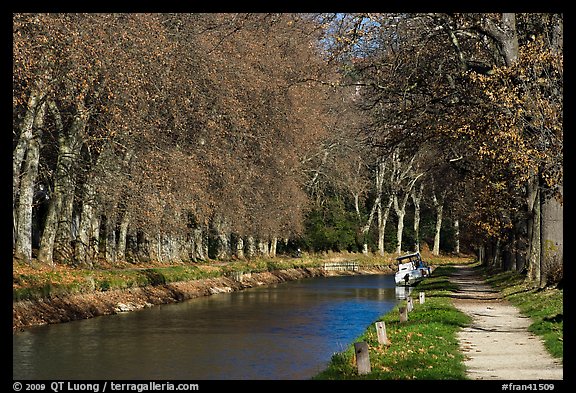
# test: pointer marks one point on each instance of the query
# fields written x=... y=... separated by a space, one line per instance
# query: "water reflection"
x=402 y=292
x=284 y=331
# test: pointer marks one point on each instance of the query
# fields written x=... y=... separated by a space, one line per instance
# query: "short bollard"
x=403 y=314
x=421 y=297
x=409 y=304
x=381 y=332
x=362 y=358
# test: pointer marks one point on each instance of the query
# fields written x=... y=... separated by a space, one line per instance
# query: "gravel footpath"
x=497 y=344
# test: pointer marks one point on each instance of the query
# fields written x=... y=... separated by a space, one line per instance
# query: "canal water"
x=283 y=331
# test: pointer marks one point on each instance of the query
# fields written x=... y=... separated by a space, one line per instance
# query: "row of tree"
x=152 y=132
x=188 y=136
x=468 y=108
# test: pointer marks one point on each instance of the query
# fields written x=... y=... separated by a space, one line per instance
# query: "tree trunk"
x=110 y=240
x=533 y=199
x=399 y=176
x=122 y=235
x=263 y=248
x=155 y=247
x=239 y=247
x=482 y=254
x=46 y=251
x=250 y=247
x=400 y=230
x=510 y=42
x=552 y=240
x=379 y=182
x=222 y=249
x=84 y=248
x=436 y=249
x=416 y=198
x=382 y=220
x=58 y=228
x=400 y=209
x=23 y=249
x=366 y=228
x=513 y=252
x=26 y=127
x=457 y=236
x=273 y=244
x=95 y=228
x=439 y=205
x=198 y=245
x=23 y=246
x=497 y=260
x=63 y=241
x=172 y=246
x=504 y=33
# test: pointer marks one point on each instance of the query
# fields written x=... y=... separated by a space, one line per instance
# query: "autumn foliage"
x=170 y=126
x=192 y=136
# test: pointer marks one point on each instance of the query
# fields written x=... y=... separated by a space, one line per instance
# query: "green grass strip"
x=425 y=347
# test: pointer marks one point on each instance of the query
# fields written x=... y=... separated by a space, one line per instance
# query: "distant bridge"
x=349 y=265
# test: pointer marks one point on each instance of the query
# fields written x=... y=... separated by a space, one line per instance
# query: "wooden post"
x=381 y=332
x=403 y=314
x=421 y=297
x=410 y=304
x=362 y=358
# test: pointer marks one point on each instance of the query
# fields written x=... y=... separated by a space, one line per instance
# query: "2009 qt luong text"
x=98 y=387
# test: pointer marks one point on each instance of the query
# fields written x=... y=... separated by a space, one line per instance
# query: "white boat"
x=411 y=269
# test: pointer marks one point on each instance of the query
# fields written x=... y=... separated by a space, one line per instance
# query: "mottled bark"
x=273 y=245
x=110 y=240
x=155 y=247
x=263 y=248
x=95 y=228
x=34 y=104
x=239 y=247
x=83 y=244
x=222 y=238
x=250 y=247
x=505 y=34
x=198 y=245
x=23 y=244
x=122 y=235
x=552 y=240
x=58 y=227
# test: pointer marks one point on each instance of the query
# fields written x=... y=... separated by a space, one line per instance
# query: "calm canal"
x=284 y=331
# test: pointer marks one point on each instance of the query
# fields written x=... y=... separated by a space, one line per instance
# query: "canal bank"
x=69 y=307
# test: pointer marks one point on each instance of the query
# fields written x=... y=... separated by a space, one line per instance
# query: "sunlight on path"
x=497 y=344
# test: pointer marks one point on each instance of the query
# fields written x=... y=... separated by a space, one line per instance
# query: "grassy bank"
x=543 y=305
x=36 y=281
x=424 y=347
